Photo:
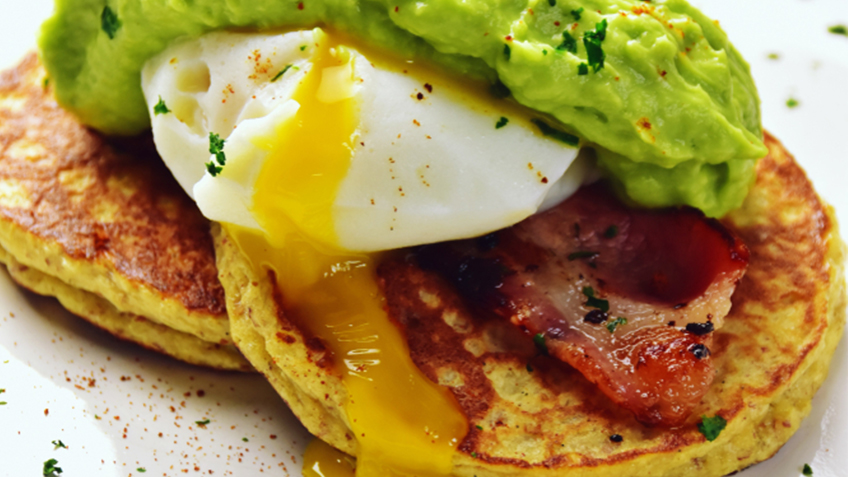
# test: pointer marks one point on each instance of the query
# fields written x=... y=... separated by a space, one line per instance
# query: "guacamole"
x=655 y=85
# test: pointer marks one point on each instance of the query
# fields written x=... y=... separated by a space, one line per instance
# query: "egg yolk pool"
x=404 y=423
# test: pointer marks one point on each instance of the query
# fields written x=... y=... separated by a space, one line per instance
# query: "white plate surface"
x=119 y=408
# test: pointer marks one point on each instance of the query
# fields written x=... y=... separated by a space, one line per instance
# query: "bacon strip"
x=573 y=274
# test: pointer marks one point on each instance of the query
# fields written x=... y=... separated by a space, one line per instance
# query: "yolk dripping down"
x=404 y=423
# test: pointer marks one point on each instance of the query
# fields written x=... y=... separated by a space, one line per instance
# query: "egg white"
x=428 y=163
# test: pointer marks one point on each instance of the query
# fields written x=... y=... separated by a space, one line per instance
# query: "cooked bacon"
x=568 y=274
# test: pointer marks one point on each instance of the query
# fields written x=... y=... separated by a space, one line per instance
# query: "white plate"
x=109 y=401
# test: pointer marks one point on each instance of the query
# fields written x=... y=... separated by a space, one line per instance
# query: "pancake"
x=532 y=415
x=106 y=229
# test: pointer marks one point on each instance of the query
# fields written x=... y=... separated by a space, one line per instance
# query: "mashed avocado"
x=656 y=84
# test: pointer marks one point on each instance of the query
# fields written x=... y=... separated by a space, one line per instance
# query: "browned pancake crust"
x=121 y=211
x=531 y=415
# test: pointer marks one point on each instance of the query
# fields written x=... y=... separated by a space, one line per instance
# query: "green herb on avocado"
x=499 y=90
x=592 y=41
x=539 y=341
x=582 y=69
x=576 y=14
x=593 y=302
x=568 y=43
x=838 y=30
x=808 y=471
x=552 y=133
x=792 y=103
x=711 y=427
x=501 y=122
x=552 y=3
x=507 y=52
x=58 y=443
x=50 y=469
x=160 y=108
x=109 y=22
x=612 y=325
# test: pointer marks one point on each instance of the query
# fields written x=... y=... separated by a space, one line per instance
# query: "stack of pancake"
x=105 y=229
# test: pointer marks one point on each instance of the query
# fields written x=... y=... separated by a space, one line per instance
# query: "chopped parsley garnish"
x=109 y=22
x=792 y=103
x=544 y=52
x=2 y=390
x=50 y=468
x=474 y=455
x=611 y=232
x=46 y=82
x=507 y=52
x=808 y=471
x=711 y=427
x=592 y=41
x=3 y=403
x=773 y=56
x=283 y=71
x=529 y=368
x=479 y=427
x=582 y=69
x=568 y=43
x=561 y=136
x=216 y=147
x=838 y=30
x=539 y=341
x=612 y=325
x=583 y=254
x=244 y=439
x=552 y=3
x=576 y=13
x=58 y=443
x=501 y=122
x=141 y=469
x=302 y=47
x=203 y=422
x=160 y=107
x=593 y=302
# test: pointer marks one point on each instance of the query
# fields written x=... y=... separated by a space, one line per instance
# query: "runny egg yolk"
x=404 y=423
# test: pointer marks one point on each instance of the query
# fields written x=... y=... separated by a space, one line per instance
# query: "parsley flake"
x=302 y=47
x=711 y=427
x=576 y=14
x=507 y=52
x=479 y=427
x=582 y=254
x=499 y=90
x=582 y=69
x=216 y=147
x=552 y=133
x=773 y=56
x=792 y=103
x=282 y=72
x=838 y=30
x=594 y=302
x=592 y=41
x=109 y=22
x=58 y=443
x=808 y=471
x=501 y=122
x=244 y=439
x=50 y=469
x=552 y=3
x=3 y=403
x=611 y=232
x=474 y=455
x=2 y=390
x=141 y=469
x=612 y=325
x=203 y=422
x=568 y=43
x=539 y=341
x=160 y=108
x=46 y=82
